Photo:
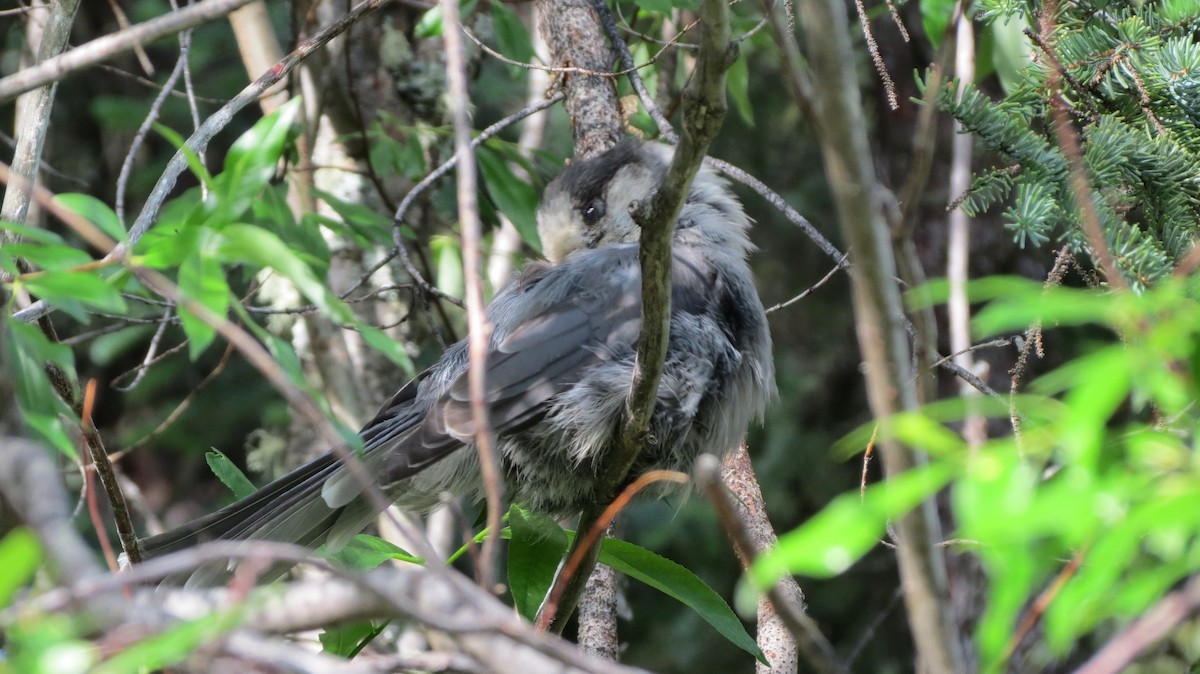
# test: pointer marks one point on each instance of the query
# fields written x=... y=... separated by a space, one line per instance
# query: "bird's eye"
x=593 y=213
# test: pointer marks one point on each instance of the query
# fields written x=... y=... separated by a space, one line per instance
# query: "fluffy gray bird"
x=559 y=366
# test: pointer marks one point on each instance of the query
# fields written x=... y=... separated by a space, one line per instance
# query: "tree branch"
x=838 y=115
x=104 y=48
x=573 y=34
x=786 y=598
x=33 y=116
x=478 y=329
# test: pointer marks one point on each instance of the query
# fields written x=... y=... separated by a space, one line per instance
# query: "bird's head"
x=591 y=203
x=588 y=205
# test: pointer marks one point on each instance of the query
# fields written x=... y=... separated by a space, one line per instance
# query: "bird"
x=559 y=365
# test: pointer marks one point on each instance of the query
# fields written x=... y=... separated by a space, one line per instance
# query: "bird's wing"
x=576 y=315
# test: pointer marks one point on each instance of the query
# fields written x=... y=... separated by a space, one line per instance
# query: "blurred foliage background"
x=378 y=98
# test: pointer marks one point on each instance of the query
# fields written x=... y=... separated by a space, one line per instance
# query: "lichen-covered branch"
x=572 y=31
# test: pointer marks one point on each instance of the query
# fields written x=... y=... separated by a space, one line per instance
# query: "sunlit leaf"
x=171 y=645
x=252 y=161
x=95 y=211
x=230 y=475
x=67 y=287
x=833 y=539
x=515 y=198
x=19 y=557
x=202 y=280
x=46 y=256
x=536 y=548
x=365 y=552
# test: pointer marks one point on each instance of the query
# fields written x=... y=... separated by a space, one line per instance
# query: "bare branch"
x=881 y=334
x=1148 y=629
x=104 y=48
x=33 y=116
x=478 y=328
x=786 y=596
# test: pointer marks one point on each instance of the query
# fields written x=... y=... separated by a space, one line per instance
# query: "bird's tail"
x=290 y=509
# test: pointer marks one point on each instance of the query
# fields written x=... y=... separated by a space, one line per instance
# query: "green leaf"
x=447 y=257
x=53 y=431
x=536 y=548
x=32 y=233
x=365 y=552
x=202 y=279
x=738 y=80
x=19 y=557
x=515 y=197
x=511 y=35
x=833 y=539
x=430 y=24
x=171 y=645
x=252 y=160
x=365 y=222
x=66 y=288
x=255 y=245
x=41 y=643
x=29 y=352
x=935 y=17
x=1011 y=50
x=656 y=6
x=194 y=162
x=678 y=582
x=347 y=640
x=230 y=475
x=94 y=211
x=47 y=256
x=391 y=349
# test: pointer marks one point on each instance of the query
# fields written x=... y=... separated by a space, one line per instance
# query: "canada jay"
x=559 y=366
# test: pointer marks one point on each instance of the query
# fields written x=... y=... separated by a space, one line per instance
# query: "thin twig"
x=108 y=46
x=1043 y=602
x=878 y=308
x=142 y=132
x=1044 y=42
x=807 y=292
x=1148 y=629
x=889 y=87
x=139 y=50
x=104 y=470
x=590 y=535
x=478 y=328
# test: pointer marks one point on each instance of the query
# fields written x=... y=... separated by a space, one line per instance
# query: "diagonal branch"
x=838 y=115
x=104 y=48
x=199 y=140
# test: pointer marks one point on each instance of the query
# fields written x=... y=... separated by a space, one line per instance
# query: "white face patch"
x=559 y=227
x=633 y=183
